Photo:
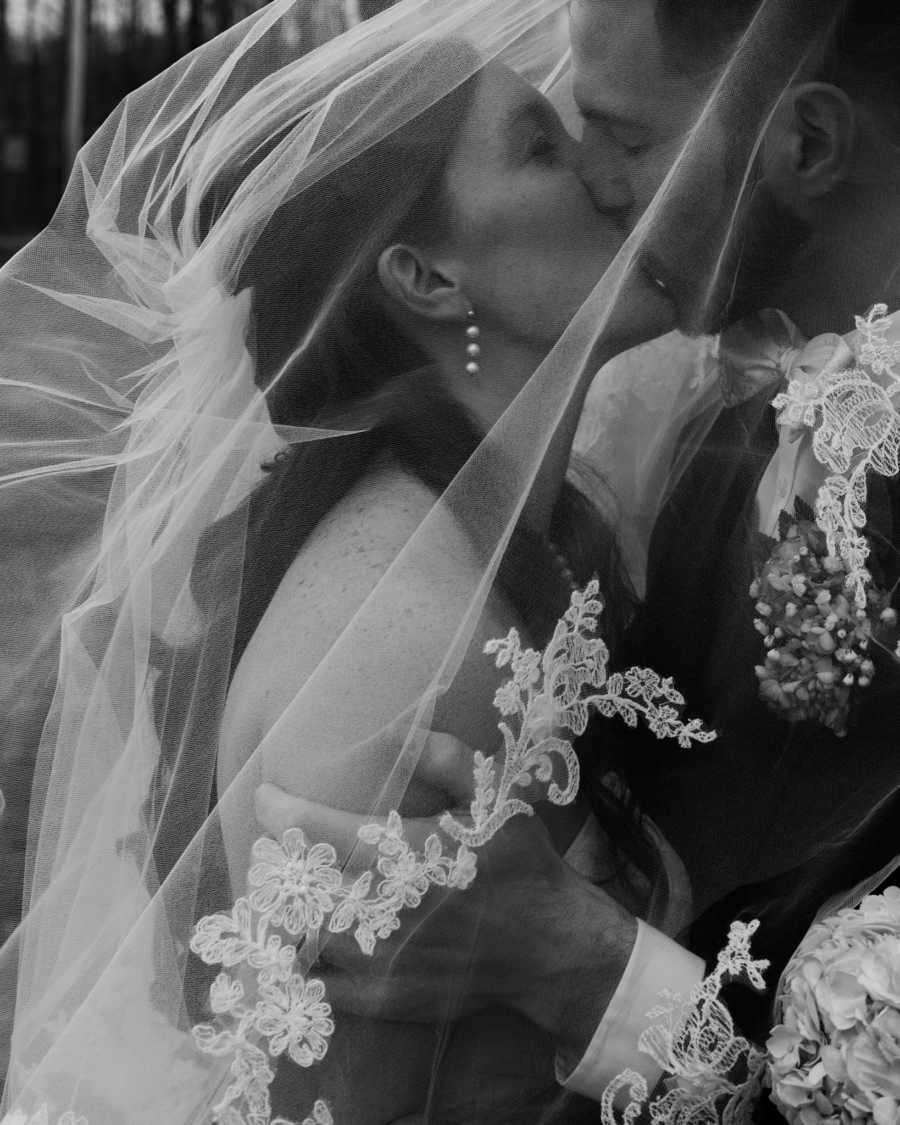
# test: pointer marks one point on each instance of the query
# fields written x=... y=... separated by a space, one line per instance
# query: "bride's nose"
x=602 y=167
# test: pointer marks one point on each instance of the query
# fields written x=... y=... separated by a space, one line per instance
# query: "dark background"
x=128 y=42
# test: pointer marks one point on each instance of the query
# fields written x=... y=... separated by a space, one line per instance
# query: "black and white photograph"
x=450 y=537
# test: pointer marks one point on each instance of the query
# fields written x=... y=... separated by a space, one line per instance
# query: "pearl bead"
x=473 y=331
x=474 y=351
x=473 y=369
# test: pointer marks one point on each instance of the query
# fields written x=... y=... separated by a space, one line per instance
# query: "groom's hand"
x=529 y=933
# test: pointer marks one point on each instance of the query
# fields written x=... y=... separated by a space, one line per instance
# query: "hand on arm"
x=529 y=933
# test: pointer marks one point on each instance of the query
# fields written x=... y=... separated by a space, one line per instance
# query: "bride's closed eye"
x=537 y=134
x=545 y=148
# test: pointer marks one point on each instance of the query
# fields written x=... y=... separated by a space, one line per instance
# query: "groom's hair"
x=698 y=34
x=861 y=51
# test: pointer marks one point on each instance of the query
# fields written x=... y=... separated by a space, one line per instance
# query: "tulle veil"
x=136 y=424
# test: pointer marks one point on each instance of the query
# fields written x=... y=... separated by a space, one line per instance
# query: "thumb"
x=277 y=810
x=447 y=764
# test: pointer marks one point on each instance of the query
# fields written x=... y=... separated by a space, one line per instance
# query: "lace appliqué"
x=856 y=430
x=41 y=1117
x=299 y=889
x=695 y=1044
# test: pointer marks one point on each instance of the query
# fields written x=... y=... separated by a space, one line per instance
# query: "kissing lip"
x=656 y=273
x=690 y=314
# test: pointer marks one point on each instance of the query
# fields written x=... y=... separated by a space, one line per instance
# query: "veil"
x=175 y=437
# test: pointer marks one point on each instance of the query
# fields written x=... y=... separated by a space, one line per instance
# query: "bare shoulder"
x=358 y=545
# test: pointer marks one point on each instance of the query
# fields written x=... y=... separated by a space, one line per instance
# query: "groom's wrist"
x=591 y=952
x=656 y=964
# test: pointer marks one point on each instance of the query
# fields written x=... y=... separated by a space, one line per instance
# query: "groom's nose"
x=603 y=169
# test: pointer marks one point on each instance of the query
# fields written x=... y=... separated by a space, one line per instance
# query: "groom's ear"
x=808 y=150
x=422 y=285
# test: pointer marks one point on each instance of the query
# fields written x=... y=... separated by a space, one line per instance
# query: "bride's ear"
x=410 y=276
x=810 y=144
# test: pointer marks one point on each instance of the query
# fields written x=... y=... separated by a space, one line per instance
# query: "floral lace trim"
x=300 y=890
x=41 y=1117
x=856 y=430
x=694 y=1042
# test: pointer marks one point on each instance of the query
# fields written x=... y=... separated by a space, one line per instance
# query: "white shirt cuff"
x=656 y=963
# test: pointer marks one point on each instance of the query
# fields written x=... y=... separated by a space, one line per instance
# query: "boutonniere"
x=819 y=607
x=817 y=637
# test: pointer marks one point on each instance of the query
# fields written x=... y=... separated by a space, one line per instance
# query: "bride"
x=319 y=330
x=469 y=272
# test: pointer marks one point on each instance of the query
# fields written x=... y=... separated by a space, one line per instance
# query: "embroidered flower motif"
x=295 y=1018
x=856 y=430
x=296 y=884
x=406 y=879
x=41 y=1117
x=321 y=1115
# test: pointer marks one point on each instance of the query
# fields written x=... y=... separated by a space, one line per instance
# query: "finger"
x=277 y=810
x=447 y=764
x=358 y=995
x=403 y=996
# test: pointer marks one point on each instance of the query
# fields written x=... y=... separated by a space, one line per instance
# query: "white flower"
x=871 y=1068
x=388 y=837
x=296 y=1019
x=225 y=994
x=836 y=1054
x=464 y=870
x=880 y=972
x=296 y=885
x=352 y=905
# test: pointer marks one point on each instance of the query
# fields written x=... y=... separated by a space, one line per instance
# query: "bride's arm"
x=317 y=704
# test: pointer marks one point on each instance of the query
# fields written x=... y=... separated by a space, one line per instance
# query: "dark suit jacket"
x=773 y=817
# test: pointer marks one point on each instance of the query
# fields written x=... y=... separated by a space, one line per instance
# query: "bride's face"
x=528 y=241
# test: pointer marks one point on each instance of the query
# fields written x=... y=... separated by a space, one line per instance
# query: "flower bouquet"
x=835 y=1054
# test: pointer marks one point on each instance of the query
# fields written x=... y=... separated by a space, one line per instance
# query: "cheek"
x=536 y=282
x=533 y=253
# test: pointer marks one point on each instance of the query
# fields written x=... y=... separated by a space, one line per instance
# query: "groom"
x=790 y=807
x=757 y=805
x=777 y=816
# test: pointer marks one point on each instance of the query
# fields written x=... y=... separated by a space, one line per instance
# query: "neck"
x=838 y=277
x=505 y=370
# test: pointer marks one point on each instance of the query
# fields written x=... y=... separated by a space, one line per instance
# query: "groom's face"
x=636 y=107
x=639 y=104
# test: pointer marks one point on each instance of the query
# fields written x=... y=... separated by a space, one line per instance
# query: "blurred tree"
x=170 y=23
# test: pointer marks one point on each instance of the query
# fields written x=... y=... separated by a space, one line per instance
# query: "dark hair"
x=862 y=38
x=696 y=34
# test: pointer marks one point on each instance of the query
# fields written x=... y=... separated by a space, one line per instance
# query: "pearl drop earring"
x=473 y=348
